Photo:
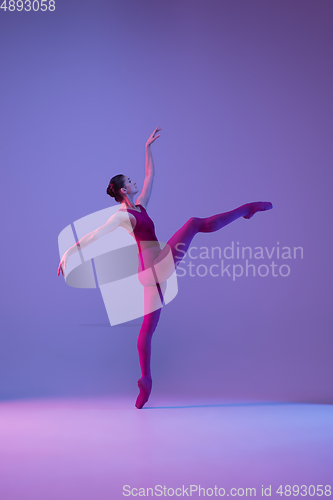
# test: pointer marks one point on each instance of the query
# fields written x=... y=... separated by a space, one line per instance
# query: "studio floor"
x=106 y=449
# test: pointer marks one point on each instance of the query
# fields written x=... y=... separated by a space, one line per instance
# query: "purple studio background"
x=243 y=92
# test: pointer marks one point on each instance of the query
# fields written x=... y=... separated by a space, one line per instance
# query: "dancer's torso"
x=142 y=228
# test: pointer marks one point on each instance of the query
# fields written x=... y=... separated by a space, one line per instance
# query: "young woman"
x=155 y=264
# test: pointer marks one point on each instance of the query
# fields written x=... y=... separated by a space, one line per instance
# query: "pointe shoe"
x=258 y=206
x=145 y=385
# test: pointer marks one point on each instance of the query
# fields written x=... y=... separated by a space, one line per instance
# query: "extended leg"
x=180 y=241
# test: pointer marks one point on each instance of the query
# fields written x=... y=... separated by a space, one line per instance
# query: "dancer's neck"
x=128 y=201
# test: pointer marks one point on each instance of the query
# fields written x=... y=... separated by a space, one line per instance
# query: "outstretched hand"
x=153 y=137
x=62 y=265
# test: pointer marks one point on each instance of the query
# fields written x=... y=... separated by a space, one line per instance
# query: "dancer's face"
x=130 y=186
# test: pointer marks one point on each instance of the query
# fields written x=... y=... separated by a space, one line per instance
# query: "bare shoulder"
x=121 y=215
x=118 y=218
x=126 y=220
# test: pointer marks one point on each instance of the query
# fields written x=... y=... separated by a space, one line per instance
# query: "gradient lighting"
x=243 y=91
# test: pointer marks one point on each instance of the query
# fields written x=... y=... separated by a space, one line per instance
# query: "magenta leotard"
x=144 y=229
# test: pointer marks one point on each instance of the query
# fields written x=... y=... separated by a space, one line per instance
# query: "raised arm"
x=113 y=222
x=144 y=196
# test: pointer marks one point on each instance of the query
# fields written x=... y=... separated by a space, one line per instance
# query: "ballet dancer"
x=154 y=264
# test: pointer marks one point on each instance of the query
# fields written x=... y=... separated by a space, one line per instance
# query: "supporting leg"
x=152 y=314
x=147 y=329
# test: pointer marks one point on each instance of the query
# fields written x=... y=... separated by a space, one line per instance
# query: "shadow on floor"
x=223 y=405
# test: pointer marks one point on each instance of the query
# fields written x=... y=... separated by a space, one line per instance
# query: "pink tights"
x=179 y=244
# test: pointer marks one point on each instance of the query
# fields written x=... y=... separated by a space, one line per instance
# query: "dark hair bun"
x=110 y=191
x=116 y=183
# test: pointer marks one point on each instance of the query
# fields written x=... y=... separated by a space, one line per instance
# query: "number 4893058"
x=27 y=5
